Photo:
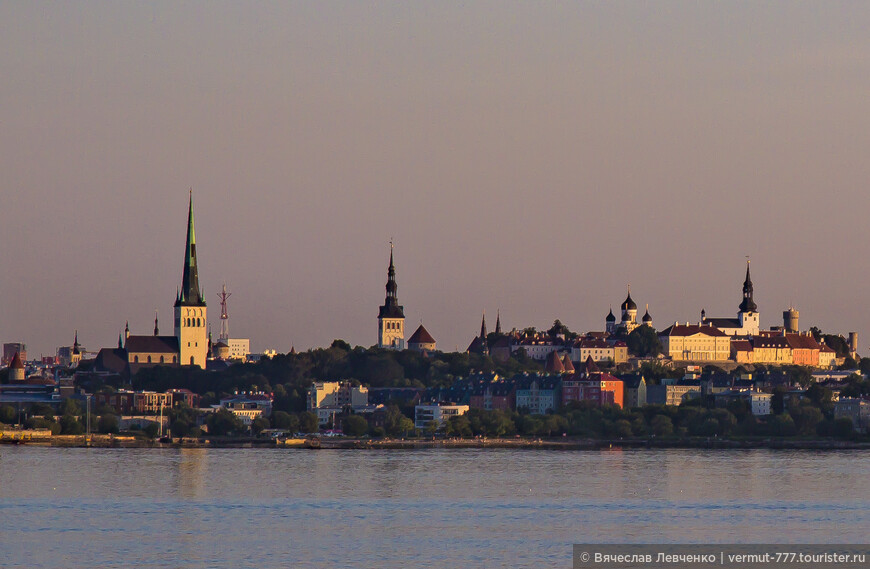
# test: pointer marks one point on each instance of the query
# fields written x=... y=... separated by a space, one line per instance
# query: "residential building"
x=337 y=394
x=672 y=394
x=598 y=387
x=425 y=415
x=858 y=410
x=634 y=386
x=151 y=402
x=827 y=357
x=248 y=406
x=539 y=394
x=239 y=348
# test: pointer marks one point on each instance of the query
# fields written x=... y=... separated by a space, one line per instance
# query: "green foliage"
x=308 y=422
x=70 y=425
x=8 y=415
x=69 y=407
x=223 y=422
x=43 y=423
x=644 y=342
x=662 y=426
x=151 y=430
x=286 y=421
x=259 y=424
x=354 y=426
x=843 y=428
x=459 y=426
x=108 y=424
x=179 y=428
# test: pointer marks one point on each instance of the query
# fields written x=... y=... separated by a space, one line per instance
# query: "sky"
x=532 y=158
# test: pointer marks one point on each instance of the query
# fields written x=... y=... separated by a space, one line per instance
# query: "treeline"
x=288 y=376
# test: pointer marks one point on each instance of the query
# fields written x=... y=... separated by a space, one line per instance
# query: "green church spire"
x=191 y=295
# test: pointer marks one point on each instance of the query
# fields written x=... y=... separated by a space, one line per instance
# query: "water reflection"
x=471 y=508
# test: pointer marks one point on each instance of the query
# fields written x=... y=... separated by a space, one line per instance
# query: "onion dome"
x=629 y=304
x=646 y=316
x=610 y=316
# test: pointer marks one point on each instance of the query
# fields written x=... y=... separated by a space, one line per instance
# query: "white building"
x=336 y=394
x=424 y=415
x=760 y=403
x=239 y=348
x=248 y=406
x=747 y=321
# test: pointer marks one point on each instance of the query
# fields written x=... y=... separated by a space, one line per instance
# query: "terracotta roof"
x=802 y=342
x=741 y=345
x=591 y=367
x=568 y=364
x=421 y=336
x=16 y=362
x=592 y=343
x=770 y=342
x=554 y=364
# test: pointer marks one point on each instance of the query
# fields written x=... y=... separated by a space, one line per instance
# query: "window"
x=191 y=360
x=149 y=359
x=135 y=359
x=161 y=359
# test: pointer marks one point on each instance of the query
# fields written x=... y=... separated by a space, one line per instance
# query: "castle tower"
x=748 y=315
x=391 y=317
x=190 y=309
x=498 y=321
x=790 y=320
x=16 y=369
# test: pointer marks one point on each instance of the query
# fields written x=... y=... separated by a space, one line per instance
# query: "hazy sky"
x=532 y=157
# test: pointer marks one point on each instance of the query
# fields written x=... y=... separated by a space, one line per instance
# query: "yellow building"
x=695 y=343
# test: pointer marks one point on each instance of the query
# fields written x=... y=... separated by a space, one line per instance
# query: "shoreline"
x=324 y=443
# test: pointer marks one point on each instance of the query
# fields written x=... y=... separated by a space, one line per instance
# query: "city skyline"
x=532 y=159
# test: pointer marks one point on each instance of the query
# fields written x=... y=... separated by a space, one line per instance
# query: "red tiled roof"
x=421 y=336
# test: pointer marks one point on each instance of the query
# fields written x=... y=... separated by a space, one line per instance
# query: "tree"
x=70 y=425
x=286 y=421
x=354 y=426
x=70 y=407
x=259 y=424
x=662 y=426
x=224 y=422
x=308 y=422
x=459 y=425
x=151 y=430
x=108 y=424
x=644 y=342
x=8 y=415
x=843 y=428
x=179 y=428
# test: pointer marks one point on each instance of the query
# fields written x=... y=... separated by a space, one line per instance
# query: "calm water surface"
x=77 y=508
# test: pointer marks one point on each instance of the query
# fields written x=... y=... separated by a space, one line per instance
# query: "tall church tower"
x=391 y=318
x=748 y=315
x=190 y=309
